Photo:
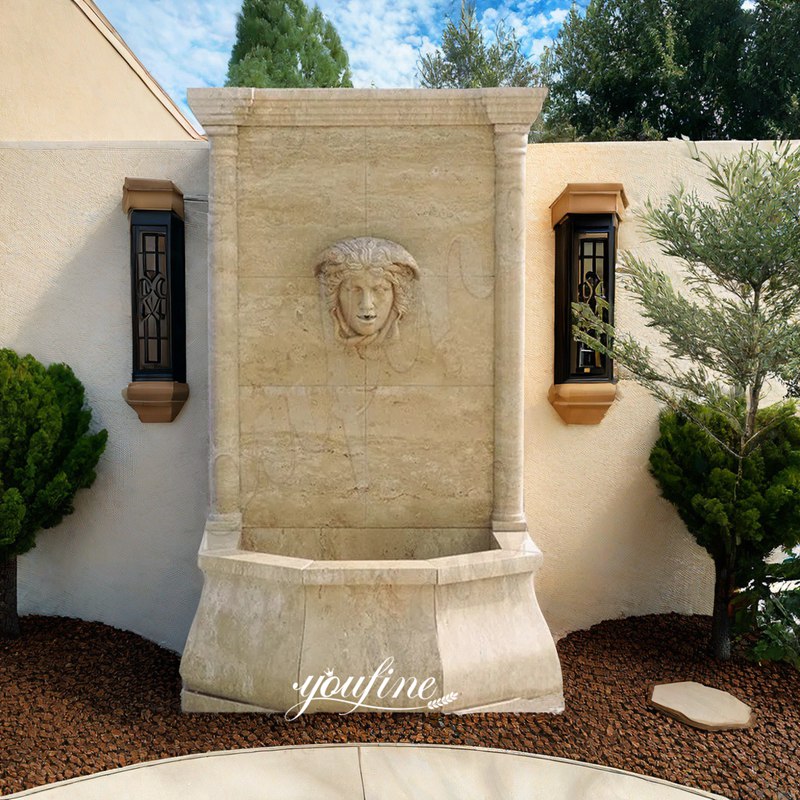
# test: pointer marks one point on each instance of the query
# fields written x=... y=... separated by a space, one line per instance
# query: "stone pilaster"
x=224 y=521
x=510 y=148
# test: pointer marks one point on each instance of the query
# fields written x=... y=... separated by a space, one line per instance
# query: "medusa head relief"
x=368 y=286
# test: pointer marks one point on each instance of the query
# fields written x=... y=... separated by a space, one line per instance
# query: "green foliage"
x=770 y=93
x=281 y=43
x=649 y=69
x=467 y=61
x=736 y=325
x=779 y=629
x=748 y=508
x=730 y=331
x=46 y=452
x=768 y=612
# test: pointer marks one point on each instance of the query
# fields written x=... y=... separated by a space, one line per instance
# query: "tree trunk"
x=721 y=620
x=9 y=621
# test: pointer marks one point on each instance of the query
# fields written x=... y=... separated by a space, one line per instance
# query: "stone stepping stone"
x=700 y=706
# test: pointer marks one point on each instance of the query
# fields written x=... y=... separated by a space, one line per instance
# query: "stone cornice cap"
x=589 y=198
x=151 y=194
x=365 y=107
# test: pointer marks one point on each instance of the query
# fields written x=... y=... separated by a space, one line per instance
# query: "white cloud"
x=384 y=40
x=538 y=45
x=181 y=44
x=544 y=21
x=527 y=23
x=186 y=43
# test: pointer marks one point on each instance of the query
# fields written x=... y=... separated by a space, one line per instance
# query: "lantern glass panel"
x=152 y=302
x=589 y=281
x=157 y=293
x=585 y=247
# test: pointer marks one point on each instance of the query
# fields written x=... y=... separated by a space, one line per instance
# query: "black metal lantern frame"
x=158 y=389
x=158 y=296
x=585 y=261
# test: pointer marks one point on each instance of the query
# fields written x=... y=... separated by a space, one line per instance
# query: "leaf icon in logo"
x=443 y=701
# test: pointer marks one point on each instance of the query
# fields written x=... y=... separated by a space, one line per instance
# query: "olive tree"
x=730 y=330
x=466 y=60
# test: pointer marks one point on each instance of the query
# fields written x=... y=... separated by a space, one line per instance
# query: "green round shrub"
x=743 y=520
x=46 y=455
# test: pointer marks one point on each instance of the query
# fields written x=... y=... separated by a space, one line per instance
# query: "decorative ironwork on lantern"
x=159 y=324
x=585 y=217
x=158 y=387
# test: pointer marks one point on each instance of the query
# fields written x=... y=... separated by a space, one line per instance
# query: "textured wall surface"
x=64 y=80
x=127 y=556
x=612 y=546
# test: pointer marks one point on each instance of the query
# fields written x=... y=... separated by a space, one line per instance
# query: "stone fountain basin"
x=469 y=619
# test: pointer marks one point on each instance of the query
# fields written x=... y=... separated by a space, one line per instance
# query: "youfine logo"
x=353 y=692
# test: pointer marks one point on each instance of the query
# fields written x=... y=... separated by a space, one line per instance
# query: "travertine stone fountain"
x=367 y=288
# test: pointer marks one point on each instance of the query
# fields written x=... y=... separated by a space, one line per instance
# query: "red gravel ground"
x=80 y=697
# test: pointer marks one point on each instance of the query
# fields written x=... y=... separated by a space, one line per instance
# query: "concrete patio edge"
x=387 y=771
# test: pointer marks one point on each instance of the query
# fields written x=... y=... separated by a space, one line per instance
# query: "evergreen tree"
x=735 y=329
x=770 y=82
x=650 y=69
x=281 y=43
x=46 y=455
x=738 y=512
x=466 y=61
x=611 y=72
x=707 y=98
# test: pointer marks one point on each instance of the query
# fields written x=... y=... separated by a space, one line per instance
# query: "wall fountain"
x=367 y=322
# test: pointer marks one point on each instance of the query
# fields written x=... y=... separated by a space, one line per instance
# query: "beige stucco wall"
x=127 y=555
x=61 y=79
x=612 y=546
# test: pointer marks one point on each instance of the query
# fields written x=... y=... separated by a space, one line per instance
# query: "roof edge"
x=109 y=32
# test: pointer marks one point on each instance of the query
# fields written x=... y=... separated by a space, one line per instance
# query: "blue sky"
x=186 y=43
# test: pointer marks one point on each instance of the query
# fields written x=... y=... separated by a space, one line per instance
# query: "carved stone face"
x=365 y=300
x=366 y=284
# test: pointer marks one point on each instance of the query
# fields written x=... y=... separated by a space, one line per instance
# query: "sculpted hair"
x=365 y=254
x=378 y=257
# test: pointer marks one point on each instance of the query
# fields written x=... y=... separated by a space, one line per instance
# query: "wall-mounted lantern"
x=585 y=217
x=158 y=388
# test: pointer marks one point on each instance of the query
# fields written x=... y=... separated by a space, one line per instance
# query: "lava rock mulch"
x=80 y=697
